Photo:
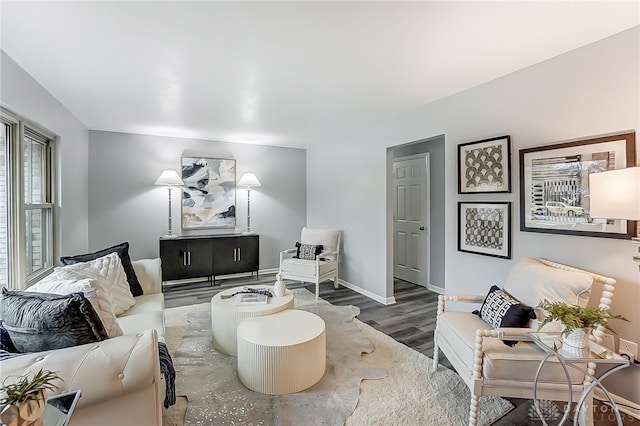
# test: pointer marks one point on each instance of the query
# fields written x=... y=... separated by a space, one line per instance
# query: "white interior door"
x=411 y=219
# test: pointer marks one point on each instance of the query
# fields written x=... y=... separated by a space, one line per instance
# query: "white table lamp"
x=169 y=178
x=615 y=194
x=248 y=180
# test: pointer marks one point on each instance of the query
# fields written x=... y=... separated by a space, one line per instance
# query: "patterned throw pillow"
x=501 y=310
x=308 y=251
x=114 y=279
x=123 y=251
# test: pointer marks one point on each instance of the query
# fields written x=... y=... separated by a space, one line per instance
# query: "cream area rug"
x=370 y=379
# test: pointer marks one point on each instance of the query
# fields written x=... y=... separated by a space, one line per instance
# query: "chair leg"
x=335 y=282
x=317 y=290
x=436 y=349
x=436 y=356
x=474 y=410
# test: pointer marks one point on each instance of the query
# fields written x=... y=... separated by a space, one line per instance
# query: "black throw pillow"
x=500 y=309
x=307 y=251
x=123 y=252
x=43 y=321
x=5 y=340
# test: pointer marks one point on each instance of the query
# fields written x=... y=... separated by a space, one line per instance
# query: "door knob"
x=422 y=228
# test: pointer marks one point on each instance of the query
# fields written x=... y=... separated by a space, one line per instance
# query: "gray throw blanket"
x=166 y=368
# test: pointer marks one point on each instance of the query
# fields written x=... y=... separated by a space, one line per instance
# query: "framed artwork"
x=485 y=228
x=485 y=166
x=209 y=193
x=554 y=185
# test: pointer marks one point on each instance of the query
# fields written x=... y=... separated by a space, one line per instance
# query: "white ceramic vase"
x=578 y=338
x=279 y=288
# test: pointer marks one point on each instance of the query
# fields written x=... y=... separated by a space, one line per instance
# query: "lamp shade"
x=169 y=177
x=615 y=194
x=249 y=180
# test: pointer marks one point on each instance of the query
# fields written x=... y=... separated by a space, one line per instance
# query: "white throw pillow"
x=94 y=292
x=531 y=282
x=110 y=269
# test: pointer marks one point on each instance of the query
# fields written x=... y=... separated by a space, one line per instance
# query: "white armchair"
x=488 y=366
x=325 y=265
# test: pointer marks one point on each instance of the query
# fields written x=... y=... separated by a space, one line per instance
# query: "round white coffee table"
x=225 y=315
x=282 y=353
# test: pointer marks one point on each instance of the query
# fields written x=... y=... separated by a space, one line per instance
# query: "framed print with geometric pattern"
x=485 y=228
x=485 y=166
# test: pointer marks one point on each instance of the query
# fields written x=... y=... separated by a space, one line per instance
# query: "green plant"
x=27 y=388
x=574 y=317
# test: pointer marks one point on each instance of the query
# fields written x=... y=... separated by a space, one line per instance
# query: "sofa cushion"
x=146 y=303
x=93 y=290
x=42 y=321
x=114 y=280
x=123 y=251
x=304 y=267
x=307 y=251
x=531 y=282
x=149 y=273
x=516 y=363
x=132 y=324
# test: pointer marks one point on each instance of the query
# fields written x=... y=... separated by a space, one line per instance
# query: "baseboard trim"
x=383 y=300
x=357 y=289
x=435 y=289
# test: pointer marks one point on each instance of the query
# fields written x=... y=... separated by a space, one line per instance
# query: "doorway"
x=411 y=219
x=435 y=229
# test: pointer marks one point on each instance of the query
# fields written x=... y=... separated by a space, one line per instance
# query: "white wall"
x=23 y=95
x=590 y=91
x=125 y=205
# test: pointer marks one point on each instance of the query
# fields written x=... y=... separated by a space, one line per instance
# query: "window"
x=26 y=202
x=5 y=136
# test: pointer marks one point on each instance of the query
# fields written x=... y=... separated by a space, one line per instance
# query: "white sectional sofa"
x=120 y=377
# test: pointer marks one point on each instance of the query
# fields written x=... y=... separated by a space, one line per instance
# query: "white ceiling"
x=279 y=73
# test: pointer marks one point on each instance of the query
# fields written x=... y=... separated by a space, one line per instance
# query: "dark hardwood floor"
x=411 y=320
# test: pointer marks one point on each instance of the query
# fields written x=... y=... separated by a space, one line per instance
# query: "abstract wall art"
x=209 y=193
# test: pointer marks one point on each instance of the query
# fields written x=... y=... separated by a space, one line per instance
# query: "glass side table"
x=552 y=344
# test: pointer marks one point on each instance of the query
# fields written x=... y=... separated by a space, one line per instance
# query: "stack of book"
x=250 y=299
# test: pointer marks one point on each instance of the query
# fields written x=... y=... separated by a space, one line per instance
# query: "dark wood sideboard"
x=208 y=256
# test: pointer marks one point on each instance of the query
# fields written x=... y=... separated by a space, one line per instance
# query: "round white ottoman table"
x=282 y=353
x=226 y=315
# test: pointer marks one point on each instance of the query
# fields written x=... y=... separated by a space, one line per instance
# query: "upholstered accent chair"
x=325 y=265
x=488 y=366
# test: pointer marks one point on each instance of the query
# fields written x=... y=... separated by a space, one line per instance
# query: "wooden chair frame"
x=477 y=383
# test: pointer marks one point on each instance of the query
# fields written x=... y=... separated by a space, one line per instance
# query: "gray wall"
x=125 y=205
x=589 y=91
x=23 y=95
x=435 y=148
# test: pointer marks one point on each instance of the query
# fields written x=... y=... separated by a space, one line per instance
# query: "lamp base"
x=247 y=232
x=169 y=236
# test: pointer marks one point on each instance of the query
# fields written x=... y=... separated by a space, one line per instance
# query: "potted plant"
x=577 y=322
x=24 y=401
